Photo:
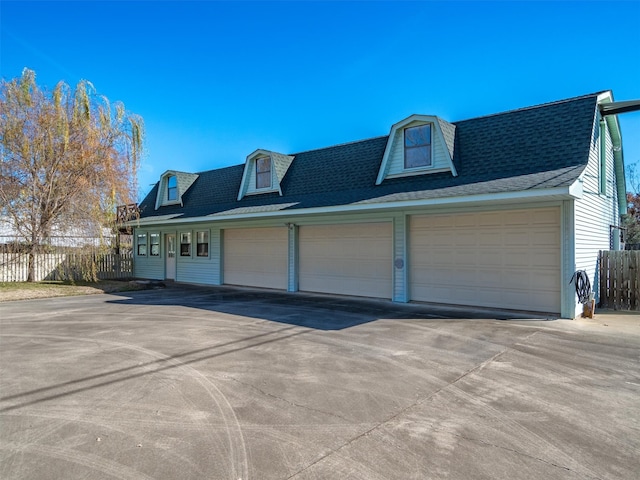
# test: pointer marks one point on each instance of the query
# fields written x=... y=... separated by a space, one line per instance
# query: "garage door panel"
x=506 y=259
x=545 y=238
x=466 y=258
x=256 y=257
x=346 y=259
x=544 y=217
x=516 y=238
x=489 y=238
x=465 y=220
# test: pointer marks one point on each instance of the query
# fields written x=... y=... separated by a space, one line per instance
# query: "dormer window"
x=263 y=172
x=417 y=146
x=172 y=188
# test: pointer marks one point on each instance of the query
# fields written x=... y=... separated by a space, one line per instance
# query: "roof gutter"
x=618 y=163
x=608 y=111
x=567 y=192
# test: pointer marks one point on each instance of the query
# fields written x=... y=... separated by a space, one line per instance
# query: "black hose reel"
x=583 y=291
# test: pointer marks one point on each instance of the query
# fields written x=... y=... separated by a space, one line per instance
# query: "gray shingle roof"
x=537 y=147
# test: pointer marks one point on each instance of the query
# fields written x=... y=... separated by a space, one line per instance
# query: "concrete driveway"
x=220 y=383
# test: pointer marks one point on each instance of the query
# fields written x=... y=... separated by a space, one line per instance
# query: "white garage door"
x=346 y=259
x=505 y=259
x=256 y=257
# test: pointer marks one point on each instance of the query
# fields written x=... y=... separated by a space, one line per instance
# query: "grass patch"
x=26 y=291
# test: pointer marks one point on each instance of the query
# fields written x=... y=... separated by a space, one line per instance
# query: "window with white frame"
x=263 y=172
x=185 y=244
x=172 y=188
x=202 y=244
x=142 y=244
x=154 y=244
x=417 y=146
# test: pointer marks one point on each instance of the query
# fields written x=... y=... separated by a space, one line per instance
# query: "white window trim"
x=138 y=244
x=418 y=171
x=255 y=167
x=150 y=244
x=179 y=245
x=208 y=255
x=404 y=148
x=436 y=136
x=169 y=177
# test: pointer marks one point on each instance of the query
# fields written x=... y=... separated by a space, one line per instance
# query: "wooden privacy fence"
x=14 y=267
x=619 y=279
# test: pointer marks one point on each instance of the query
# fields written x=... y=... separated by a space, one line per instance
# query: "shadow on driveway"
x=316 y=311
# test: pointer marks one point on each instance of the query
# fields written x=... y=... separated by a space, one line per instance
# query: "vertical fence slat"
x=634 y=282
x=619 y=279
x=14 y=267
x=602 y=278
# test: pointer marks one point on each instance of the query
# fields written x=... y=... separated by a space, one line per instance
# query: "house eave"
x=536 y=195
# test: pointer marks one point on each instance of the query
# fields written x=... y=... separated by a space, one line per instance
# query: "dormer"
x=263 y=172
x=173 y=185
x=418 y=145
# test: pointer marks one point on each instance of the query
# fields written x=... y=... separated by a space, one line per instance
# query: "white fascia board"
x=576 y=189
x=243 y=182
x=605 y=97
x=526 y=195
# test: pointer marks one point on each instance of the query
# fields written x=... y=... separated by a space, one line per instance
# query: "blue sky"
x=216 y=80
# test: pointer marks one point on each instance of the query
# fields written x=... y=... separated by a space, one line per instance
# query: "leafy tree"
x=67 y=157
x=631 y=220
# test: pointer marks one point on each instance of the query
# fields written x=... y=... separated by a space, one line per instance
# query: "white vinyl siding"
x=438 y=151
x=346 y=259
x=595 y=212
x=503 y=259
x=256 y=257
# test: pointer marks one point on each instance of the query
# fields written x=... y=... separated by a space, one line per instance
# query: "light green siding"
x=400 y=259
x=396 y=158
x=195 y=269
x=292 y=285
x=251 y=179
x=147 y=266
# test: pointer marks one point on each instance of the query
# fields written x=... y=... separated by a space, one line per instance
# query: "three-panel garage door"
x=504 y=259
x=353 y=259
x=256 y=257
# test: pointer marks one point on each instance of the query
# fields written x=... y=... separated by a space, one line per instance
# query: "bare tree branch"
x=67 y=158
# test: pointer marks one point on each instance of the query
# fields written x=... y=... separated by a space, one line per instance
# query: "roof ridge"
x=531 y=107
x=339 y=145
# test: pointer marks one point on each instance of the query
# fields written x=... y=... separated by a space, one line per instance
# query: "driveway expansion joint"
x=518 y=452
